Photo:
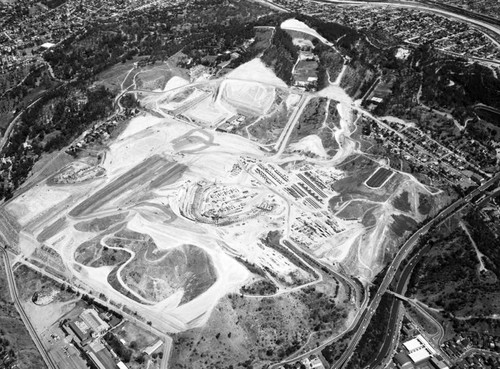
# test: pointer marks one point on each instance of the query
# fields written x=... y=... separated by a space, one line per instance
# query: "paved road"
x=400 y=256
x=167 y=351
x=292 y=122
x=421 y=308
x=15 y=297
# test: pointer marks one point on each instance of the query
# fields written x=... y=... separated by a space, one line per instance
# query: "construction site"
x=213 y=191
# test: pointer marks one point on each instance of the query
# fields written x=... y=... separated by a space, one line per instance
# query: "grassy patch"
x=311 y=119
x=402 y=202
x=402 y=224
x=424 y=203
x=156 y=274
x=261 y=287
x=93 y=254
x=255 y=331
x=447 y=277
x=356 y=209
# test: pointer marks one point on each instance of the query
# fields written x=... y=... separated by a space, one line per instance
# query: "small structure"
x=313 y=362
x=438 y=364
x=79 y=331
x=94 y=321
x=155 y=346
x=121 y=365
x=403 y=361
x=100 y=356
x=48 y=45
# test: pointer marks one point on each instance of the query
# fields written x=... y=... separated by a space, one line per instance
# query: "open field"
x=113 y=77
x=248 y=98
x=402 y=202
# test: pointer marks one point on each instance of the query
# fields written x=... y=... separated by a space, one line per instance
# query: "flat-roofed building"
x=412 y=345
x=403 y=361
x=79 y=331
x=419 y=349
x=100 y=356
x=94 y=321
x=419 y=355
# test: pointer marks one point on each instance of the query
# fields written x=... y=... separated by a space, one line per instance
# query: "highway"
x=395 y=264
x=478 y=20
x=15 y=298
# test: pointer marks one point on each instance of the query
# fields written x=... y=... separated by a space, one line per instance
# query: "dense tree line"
x=281 y=55
x=123 y=352
x=69 y=119
x=370 y=343
x=156 y=33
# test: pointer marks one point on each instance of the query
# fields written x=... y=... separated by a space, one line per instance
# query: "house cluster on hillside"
x=407 y=25
x=29 y=27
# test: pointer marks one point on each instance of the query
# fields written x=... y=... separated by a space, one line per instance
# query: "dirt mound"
x=187 y=268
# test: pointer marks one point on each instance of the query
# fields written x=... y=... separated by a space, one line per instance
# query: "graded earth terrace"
x=224 y=200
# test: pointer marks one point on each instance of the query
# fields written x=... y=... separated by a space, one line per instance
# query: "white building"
x=419 y=349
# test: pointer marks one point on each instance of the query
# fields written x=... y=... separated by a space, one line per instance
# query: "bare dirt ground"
x=181 y=217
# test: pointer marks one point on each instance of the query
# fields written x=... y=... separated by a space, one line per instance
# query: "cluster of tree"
x=209 y=27
x=472 y=84
x=370 y=344
x=210 y=47
x=70 y=117
x=343 y=36
x=119 y=348
x=334 y=351
x=323 y=311
x=330 y=64
x=281 y=55
x=260 y=288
